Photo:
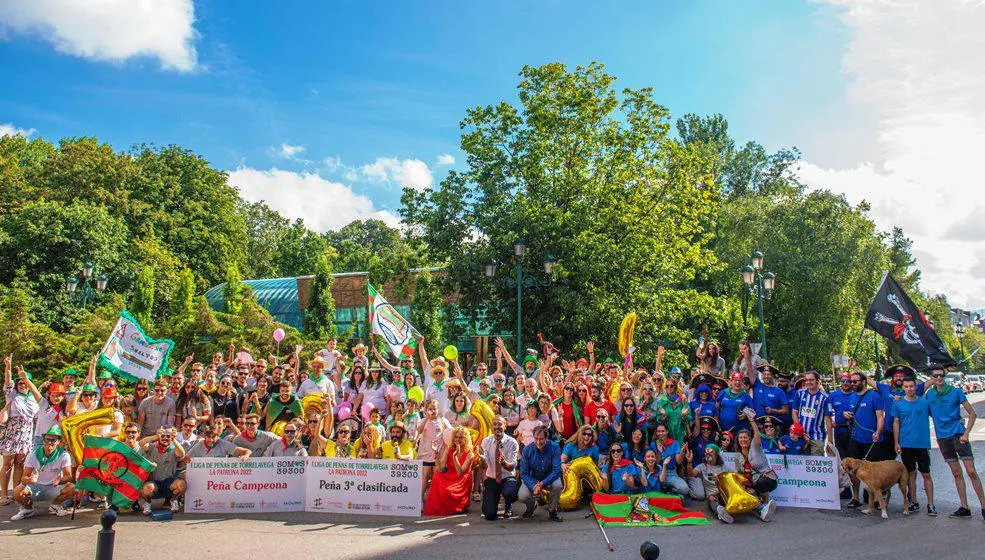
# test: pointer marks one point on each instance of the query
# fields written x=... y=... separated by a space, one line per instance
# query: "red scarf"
x=247 y=437
x=284 y=441
x=163 y=450
x=207 y=448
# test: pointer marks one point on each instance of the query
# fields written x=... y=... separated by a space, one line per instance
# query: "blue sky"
x=329 y=101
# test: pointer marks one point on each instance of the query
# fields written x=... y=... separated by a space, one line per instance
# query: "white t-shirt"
x=47 y=417
x=375 y=395
x=105 y=429
x=47 y=475
x=311 y=387
x=525 y=430
x=183 y=441
x=440 y=395
x=432 y=432
x=331 y=358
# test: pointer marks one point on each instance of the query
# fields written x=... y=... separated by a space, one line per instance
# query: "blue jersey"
x=793 y=447
x=707 y=408
x=888 y=398
x=865 y=424
x=812 y=410
x=946 y=410
x=764 y=396
x=840 y=403
x=730 y=409
x=618 y=485
x=572 y=452
x=914 y=422
x=771 y=445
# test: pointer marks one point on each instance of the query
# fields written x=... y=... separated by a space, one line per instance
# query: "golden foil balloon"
x=75 y=428
x=312 y=403
x=581 y=472
x=614 y=392
x=737 y=498
x=278 y=428
x=484 y=416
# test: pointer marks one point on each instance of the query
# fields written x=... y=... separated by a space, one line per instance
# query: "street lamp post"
x=761 y=284
x=89 y=288
x=520 y=281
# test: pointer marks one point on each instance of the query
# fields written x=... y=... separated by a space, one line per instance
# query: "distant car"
x=975 y=384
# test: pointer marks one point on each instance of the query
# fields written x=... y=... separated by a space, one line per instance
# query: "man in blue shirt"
x=769 y=399
x=783 y=380
x=911 y=432
x=841 y=406
x=867 y=417
x=946 y=403
x=731 y=402
x=540 y=469
x=812 y=412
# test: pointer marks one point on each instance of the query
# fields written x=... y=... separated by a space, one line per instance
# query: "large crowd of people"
x=644 y=429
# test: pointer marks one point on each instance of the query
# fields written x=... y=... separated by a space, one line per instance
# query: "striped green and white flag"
x=111 y=468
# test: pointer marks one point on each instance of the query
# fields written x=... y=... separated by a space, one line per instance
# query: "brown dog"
x=878 y=476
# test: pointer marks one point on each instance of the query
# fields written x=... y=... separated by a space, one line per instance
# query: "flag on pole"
x=894 y=315
x=113 y=469
x=129 y=352
x=384 y=320
x=653 y=509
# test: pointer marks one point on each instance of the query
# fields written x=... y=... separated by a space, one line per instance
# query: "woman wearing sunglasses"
x=622 y=475
x=16 y=435
x=582 y=443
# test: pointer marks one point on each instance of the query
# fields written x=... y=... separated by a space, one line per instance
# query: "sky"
x=326 y=110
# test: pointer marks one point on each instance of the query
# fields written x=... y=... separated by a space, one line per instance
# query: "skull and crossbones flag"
x=894 y=316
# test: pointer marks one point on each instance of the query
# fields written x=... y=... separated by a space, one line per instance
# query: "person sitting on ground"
x=540 y=469
x=47 y=478
x=707 y=471
x=161 y=449
x=751 y=462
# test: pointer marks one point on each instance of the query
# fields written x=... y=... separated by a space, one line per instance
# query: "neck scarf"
x=162 y=450
x=45 y=460
x=315 y=378
x=247 y=436
x=275 y=407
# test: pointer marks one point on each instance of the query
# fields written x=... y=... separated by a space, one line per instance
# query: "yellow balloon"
x=278 y=428
x=75 y=428
x=484 y=416
x=312 y=403
x=581 y=472
x=613 y=392
x=737 y=498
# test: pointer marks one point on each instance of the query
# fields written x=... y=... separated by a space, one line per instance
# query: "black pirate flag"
x=894 y=316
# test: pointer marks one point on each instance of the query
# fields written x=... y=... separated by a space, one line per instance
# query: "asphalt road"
x=797 y=533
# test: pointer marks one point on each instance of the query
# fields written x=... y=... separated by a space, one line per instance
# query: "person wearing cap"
x=86 y=399
x=709 y=466
x=794 y=442
x=156 y=412
x=161 y=449
x=68 y=381
x=770 y=433
x=705 y=433
x=529 y=365
x=289 y=445
x=16 y=437
x=766 y=396
x=47 y=477
x=317 y=382
x=398 y=447
x=911 y=435
x=841 y=405
x=51 y=410
x=732 y=401
x=812 y=411
x=110 y=399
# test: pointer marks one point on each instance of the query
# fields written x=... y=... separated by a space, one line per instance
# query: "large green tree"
x=319 y=317
x=426 y=308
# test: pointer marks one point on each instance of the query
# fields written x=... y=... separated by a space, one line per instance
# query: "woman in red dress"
x=452 y=483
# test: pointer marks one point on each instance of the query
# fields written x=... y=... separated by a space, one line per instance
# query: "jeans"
x=507 y=488
x=675 y=485
x=527 y=496
x=696 y=487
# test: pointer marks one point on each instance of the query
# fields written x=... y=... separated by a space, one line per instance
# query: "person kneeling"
x=540 y=469
x=164 y=482
x=46 y=474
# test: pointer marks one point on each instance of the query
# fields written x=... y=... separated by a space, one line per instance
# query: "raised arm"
x=590 y=346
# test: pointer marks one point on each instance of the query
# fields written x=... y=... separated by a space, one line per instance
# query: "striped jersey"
x=812 y=409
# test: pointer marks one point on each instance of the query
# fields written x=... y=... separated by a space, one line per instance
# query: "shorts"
x=428 y=463
x=856 y=449
x=916 y=458
x=162 y=488
x=952 y=449
x=44 y=492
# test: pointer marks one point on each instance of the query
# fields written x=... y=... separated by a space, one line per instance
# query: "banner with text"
x=230 y=485
x=363 y=486
x=129 y=352
x=802 y=480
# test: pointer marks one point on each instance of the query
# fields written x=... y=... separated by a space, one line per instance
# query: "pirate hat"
x=799 y=383
x=710 y=420
x=719 y=383
x=784 y=374
x=903 y=369
x=768 y=367
x=702 y=379
x=762 y=420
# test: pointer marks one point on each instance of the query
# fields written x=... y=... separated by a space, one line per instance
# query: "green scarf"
x=275 y=407
x=44 y=461
x=946 y=388
x=579 y=421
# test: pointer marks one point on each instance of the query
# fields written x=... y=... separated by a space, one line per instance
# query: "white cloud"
x=290 y=151
x=917 y=66
x=446 y=159
x=323 y=205
x=333 y=163
x=7 y=129
x=412 y=173
x=110 y=30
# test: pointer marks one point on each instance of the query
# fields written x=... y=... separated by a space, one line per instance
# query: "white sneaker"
x=59 y=510
x=724 y=515
x=24 y=513
x=175 y=506
x=767 y=510
x=144 y=506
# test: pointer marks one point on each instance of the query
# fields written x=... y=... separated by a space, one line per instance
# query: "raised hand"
x=590 y=347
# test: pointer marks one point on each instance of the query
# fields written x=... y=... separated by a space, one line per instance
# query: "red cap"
x=582 y=362
x=846 y=375
x=55 y=388
x=797 y=429
x=109 y=392
x=737 y=375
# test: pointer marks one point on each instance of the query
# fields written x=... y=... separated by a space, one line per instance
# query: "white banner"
x=261 y=485
x=805 y=481
x=363 y=486
x=131 y=353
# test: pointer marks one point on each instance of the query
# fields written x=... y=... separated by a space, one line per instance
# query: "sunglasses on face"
x=156 y=391
x=88 y=395
x=290 y=432
x=189 y=425
x=601 y=416
x=582 y=392
x=937 y=375
x=589 y=433
x=344 y=432
x=50 y=440
x=629 y=406
x=625 y=390
x=312 y=421
x=569 y=389
x=615 y=451
x=251 y=423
